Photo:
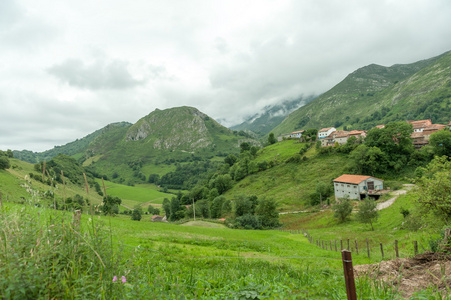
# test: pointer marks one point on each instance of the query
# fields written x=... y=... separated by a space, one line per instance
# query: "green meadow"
x=140 y=194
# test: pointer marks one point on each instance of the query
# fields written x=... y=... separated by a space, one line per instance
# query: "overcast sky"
x=68 y=68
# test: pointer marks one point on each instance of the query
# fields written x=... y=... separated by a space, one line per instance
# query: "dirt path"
x=396 y=194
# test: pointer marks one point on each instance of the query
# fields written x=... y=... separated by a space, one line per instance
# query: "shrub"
x=342 y=209
x=248 y=221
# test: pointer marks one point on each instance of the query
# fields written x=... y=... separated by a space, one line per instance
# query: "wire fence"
x=369 y=247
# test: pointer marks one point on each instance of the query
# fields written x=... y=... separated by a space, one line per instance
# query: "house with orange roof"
x=356 y=186
x=341 y=137
x=296 y=134
x=421 y=138
x=325 y=132
x=419 y=126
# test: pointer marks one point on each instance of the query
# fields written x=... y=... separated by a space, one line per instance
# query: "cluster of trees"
x=247 y=212
x=4 y=159
x=367 y=211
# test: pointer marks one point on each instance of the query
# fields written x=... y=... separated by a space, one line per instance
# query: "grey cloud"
x=20 y=30
x=221 y=45
x=97 y=75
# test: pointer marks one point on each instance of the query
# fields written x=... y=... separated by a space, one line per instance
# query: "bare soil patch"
x=409 y=275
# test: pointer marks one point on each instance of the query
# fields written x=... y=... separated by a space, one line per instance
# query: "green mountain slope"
x=70 y=149
x=375 y=95
x=171 y=137
x=290 y=183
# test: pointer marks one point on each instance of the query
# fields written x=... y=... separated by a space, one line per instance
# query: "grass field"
x=140 y=194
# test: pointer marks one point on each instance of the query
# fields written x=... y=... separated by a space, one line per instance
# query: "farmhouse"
x=357 y=186
x=296 y=134
x=325 y=132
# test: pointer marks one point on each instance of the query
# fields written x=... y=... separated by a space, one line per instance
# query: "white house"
x=356 y=186
x=296 y=134
x=325 y=132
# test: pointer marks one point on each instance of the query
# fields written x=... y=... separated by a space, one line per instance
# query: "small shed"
x=357 y=186
x=157 y=218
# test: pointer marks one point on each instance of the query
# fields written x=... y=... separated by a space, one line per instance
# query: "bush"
x=4 y=163
x=137 y=214
x=342 y=209
x=248 y=221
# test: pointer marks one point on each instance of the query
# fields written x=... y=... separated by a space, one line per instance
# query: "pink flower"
x=123 y=279
x=115 y=278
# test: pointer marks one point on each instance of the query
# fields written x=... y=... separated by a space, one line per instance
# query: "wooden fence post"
x=335 y=245
x=330 y=245
x=396 y=248
x=368 y=247
x=356 y=247
x=341 y=244
x=382 y=251
x=1 y=201
x=349 y=275
x=415 y=247
x=348 y=246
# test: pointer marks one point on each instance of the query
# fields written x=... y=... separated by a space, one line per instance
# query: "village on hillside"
x=359 y=187
x=422 y=131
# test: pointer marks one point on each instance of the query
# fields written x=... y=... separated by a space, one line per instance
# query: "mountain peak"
x=184 y=128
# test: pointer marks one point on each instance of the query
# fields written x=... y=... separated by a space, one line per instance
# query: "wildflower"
x=114 y=278
x=123 y=279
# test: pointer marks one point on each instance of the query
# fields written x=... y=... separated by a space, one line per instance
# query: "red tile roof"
x=325 y=129
x=420 y=124
x=355 y=179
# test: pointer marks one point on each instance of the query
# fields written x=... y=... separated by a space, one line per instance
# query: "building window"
x=355 y=186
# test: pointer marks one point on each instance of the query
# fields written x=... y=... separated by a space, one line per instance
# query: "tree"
x=137 y=213
x=202 y=207
x=177 y=210
x=323 y=189
x=367 y=213
x=167 y=208
x=441 y=142
x=342 y=208
x=151 y=210
x=271 y=139
x=109 y=203
x=368 y=160
x=245 y=146
x=267 y=213
x=230 y=159
x=242 y=206
x=434 y=188
x=216 y=207
x=4 y=163
x=394 y=141
x=222 y=183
